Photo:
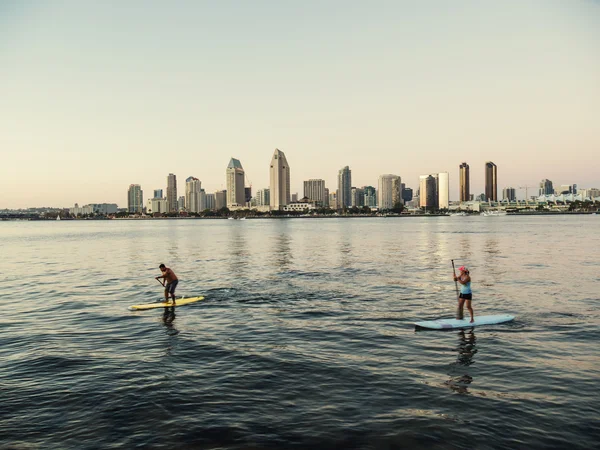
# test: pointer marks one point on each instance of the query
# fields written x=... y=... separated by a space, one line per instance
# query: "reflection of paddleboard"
x=178 y=302
x=447 y=324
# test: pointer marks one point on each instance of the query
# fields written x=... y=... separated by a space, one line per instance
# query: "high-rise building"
x=210 y=202
x=279 y=171
x=546 y=187
x=181 y=203
x=428 y=191
x=235 y=178
x=158 y=193
x=567 y=189
x=220 y=199
x=509 y=193
x=192 y=194
x=333 y=203
x=491 y=182
x=465 y=183
x=357 y=197
x=314 y=190
x=263 y=198
x=407 y=194
x=344 y=188
x=135 y=199
x=248 y=194
x=370 y=196
x=326 y=203
x=389 y=191
x=443 y=190
x=172 y=193
x=295 y=198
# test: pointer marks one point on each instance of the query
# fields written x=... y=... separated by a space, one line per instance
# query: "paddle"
x=160 y=282
x=458 y=315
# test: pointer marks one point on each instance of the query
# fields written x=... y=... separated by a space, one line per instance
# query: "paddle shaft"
x=164 y=283
x=455 y=282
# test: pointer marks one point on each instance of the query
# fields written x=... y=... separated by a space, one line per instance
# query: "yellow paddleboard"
x=178 y=302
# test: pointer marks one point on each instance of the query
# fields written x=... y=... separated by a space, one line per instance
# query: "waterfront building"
x=326 y=194
x=443 y=190
x=263 y=197
x=509 y=194
x=295 y=198
x=546 y=187
x=181 y=203
x=279 y=172
x=135 y=198
x=407 y=195
x=389 y=191
x=211 y=202
x=465 y=183
x=357 y=197
x=480 y=198
x=156 y=205
x=94 y=208
x=567 y=189
x=158 y=193
x=333 y=203
x=192 y=194
x=370 y=194
x=300 y=206
x=344 y=188
x=590 y=193
x=235 y=179
x=248 y=194
x=428 y=191
x=491 y=181
x=314 y=190
x=172 y=193
x=220 y=199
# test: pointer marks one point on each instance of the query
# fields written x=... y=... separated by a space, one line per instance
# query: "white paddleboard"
x=448 y=324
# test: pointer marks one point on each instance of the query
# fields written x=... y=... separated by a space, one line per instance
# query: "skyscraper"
x=343 y=197
x=158 y=193
x=428 y=191
x=220 y=199
x=211 y=202
x=357 y=197
x=135 y=198
x=491 y=182
x=279 y=171
x=192 y=194
x=263 y=197
x=407 y=195
x=314 y=190
x=389 y=191
x=235 y=178
x=443 y=189
x=546 y=187
x=509 y=193
x=370 y=196
x=172 y=193
x=465 y=183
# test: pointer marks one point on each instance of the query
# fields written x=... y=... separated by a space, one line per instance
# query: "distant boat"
x=58 y=217
x=462 y=213
x=243 y=218
x=493 y=213
x=231 y=218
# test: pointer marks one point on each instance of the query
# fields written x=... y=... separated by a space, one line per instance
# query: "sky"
x=95 y=96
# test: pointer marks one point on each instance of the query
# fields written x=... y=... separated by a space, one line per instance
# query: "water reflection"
x=168 y=319
x=466 y=349
x=345 y=247
x=239 y=257
x=282 y=249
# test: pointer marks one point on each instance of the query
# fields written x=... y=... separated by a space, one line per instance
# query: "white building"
x=211 y=202
x=298 y=206
x=157 y=205
x=192 y=194
x=388 y=191
x=279 y=171
x=443 y=190
x=235 y=179
x=135 y=198
x=263 y=197
x=314 y=190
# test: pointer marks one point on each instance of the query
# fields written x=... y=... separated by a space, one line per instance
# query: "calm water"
x=305 y=339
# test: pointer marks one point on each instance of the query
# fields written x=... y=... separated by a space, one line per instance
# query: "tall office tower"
x=211 y=202
x=407 y=195
x=344 y=188
x=181 y=203
x=326 y=194
x=389 y=191
x=220 y=199
x=158 y=193
x=279 y=171
x=357 y=197
x=135 y=198
x=333 y=203
x=202 y=200
x=546 y=187
x=263 y=198
x=235 y=178
x=295 y=198
x=465 y=183
x=248 y=194
x=509 y=193
x=491 y=182
x=192 y=194
x=443 y=190
x=428 y=191
x=314 y=190
x=172 y=193
x=567 y=189
x=370 y=196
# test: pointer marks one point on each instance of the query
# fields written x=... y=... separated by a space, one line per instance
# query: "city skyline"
x=99 y=100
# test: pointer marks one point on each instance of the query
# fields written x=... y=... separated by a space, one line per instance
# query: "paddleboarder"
x=466 y=295
x=170 y=282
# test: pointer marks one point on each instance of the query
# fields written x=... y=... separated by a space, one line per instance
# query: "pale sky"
x=95 y=96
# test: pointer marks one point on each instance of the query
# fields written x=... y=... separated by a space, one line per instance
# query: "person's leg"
x=167 y=293
x=459 y=312
x=173 y=286
x=470 y=309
